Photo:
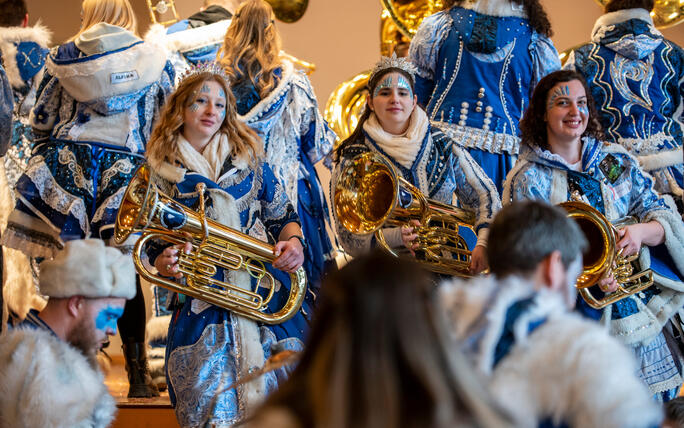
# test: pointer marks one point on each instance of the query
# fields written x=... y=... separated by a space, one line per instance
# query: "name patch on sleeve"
x=124 y=76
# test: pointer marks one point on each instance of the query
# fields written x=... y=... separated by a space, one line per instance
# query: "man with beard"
x=49 y=376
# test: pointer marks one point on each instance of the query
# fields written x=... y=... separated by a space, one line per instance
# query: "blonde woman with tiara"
x=278 y=102
x=94 y=111
x=199 y=139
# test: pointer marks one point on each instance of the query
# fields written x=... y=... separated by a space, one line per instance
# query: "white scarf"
x=402 y=148
x=208 y=163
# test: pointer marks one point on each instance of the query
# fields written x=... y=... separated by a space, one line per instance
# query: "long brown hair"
x=163 y=144
x=114 y=12
x=535 y=12
x=533 y=124
x=376 y=355
x=251 y=49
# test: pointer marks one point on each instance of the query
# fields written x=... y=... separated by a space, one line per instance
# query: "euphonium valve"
x=369 y=196
x=214 y=246
x=601 y=258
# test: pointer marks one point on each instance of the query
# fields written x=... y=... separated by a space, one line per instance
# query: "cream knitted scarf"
x=402 y=148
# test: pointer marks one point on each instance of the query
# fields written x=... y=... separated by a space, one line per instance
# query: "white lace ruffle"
x=489 y=141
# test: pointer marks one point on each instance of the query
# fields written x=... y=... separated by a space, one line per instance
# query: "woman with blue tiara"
x=395 y=127
x=279 y=103
x=199 y=139
x=478 y=62
x=564 y=159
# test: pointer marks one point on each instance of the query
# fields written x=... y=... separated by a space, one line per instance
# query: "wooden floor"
x=137 y=412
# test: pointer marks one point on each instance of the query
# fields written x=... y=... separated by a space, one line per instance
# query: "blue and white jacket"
x=611 y=181
x=637 y=80
x=545 y=365
x=477 y=67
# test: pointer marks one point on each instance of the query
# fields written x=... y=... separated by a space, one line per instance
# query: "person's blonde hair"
x=114 y=12
x=163 y=143
x=251 y=49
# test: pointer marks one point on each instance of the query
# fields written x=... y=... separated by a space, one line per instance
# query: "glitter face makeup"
x=105 y=321
x=558 y=92
x=389 y=83
x=205 y=89
x=193 y=107
x=386 y=83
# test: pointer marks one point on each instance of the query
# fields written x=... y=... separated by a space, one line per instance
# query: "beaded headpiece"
x=212 y=67
x=395 y=62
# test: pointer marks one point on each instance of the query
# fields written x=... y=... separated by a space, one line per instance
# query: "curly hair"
x=615 y=5
x=532 y=128
x=251 y=49
x=536 y=14
x=163 y=143
x=374 y=80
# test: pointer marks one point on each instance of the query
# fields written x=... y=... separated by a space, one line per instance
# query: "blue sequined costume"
x=209 y=347
x=93 y=115
x=5 y=111
x=295 y=138
x=611 y=181
x=441 y=170
x=477 y=67
x=637 y=80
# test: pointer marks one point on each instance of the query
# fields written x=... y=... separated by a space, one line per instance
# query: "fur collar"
x=288 y=73
x=186 y=40
x=11 y=35
x=621 y=16
x=501 y=8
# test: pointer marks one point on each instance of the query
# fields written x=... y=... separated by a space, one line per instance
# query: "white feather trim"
x=45 y=382
x=194 y=38
x=11 y=35
x=662 y=159
x=157 y=328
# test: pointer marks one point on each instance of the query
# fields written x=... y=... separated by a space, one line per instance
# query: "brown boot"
x=139 y=379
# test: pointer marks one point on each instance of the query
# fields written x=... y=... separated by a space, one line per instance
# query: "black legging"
x=132 y=322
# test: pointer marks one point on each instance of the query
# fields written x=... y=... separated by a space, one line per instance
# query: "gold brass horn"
x=345 y=105
x=289 y=10
x=161 y=8
x=601 y=258
x=146 y=209
x=408 y=14
x=369 y=195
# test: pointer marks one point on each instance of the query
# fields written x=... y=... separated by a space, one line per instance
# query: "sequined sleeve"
x=424 y=52
x=544 y=57
x=6 y=107
x=527 y=181
x=644 y=201
x=317 y=138
x=277 y=210
x=474 y=189
x=46 y=109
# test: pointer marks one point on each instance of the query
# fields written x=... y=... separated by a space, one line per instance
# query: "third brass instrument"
x=602 y=258
x=146 y=209
x=369 y=195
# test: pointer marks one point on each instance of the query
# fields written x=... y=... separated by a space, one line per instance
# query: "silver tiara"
x=212 y=67
x=395 y=62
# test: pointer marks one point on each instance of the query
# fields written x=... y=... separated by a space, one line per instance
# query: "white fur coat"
x=569 y=369
x=45 y=382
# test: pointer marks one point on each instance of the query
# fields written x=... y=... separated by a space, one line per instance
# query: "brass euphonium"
x=601 y=258
x=146 y=209
x=369 y=195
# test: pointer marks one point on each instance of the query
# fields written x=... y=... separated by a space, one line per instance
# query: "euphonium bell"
x=146 y=209
x=369 y=195
x=601 y=258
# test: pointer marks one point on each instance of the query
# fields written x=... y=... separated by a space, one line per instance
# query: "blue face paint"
x=584 y=110
x=558 y=92
x=205 y=88
x=387 y=83
x=222 y=94
x=107 y=317
x=193 y=107
x=404 y=84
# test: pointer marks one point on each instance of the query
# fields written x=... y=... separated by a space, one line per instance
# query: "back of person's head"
x=13 y=12
x=674 y=413
x=229 y=5
x=251 y=49
x=375 y=355
x=114 y=12
x=524 y=233
x=615 y=5
x=534 y=10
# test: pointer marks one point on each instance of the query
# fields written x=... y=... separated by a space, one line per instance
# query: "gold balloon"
x=289 y=10
x=408 y=14
x=666 y=13
x=345 y=105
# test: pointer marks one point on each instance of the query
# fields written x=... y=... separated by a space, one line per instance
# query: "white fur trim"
x=500 y=8
x=207 y=35
x=88 y=268
x=157 y=328
x=167 y=171
x=45 y=382
x=662 y=159
x=559 y=186
x=264 y=104
x=613 y=18
x=10 y=35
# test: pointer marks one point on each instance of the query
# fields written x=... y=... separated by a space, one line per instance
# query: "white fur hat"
x=86 y=267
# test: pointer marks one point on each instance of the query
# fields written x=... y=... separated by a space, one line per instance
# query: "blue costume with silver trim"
x=477 y=67
x=636 y=78
x=611 y=181
x=93 y=115
x=296 y=137
x=209 y=348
